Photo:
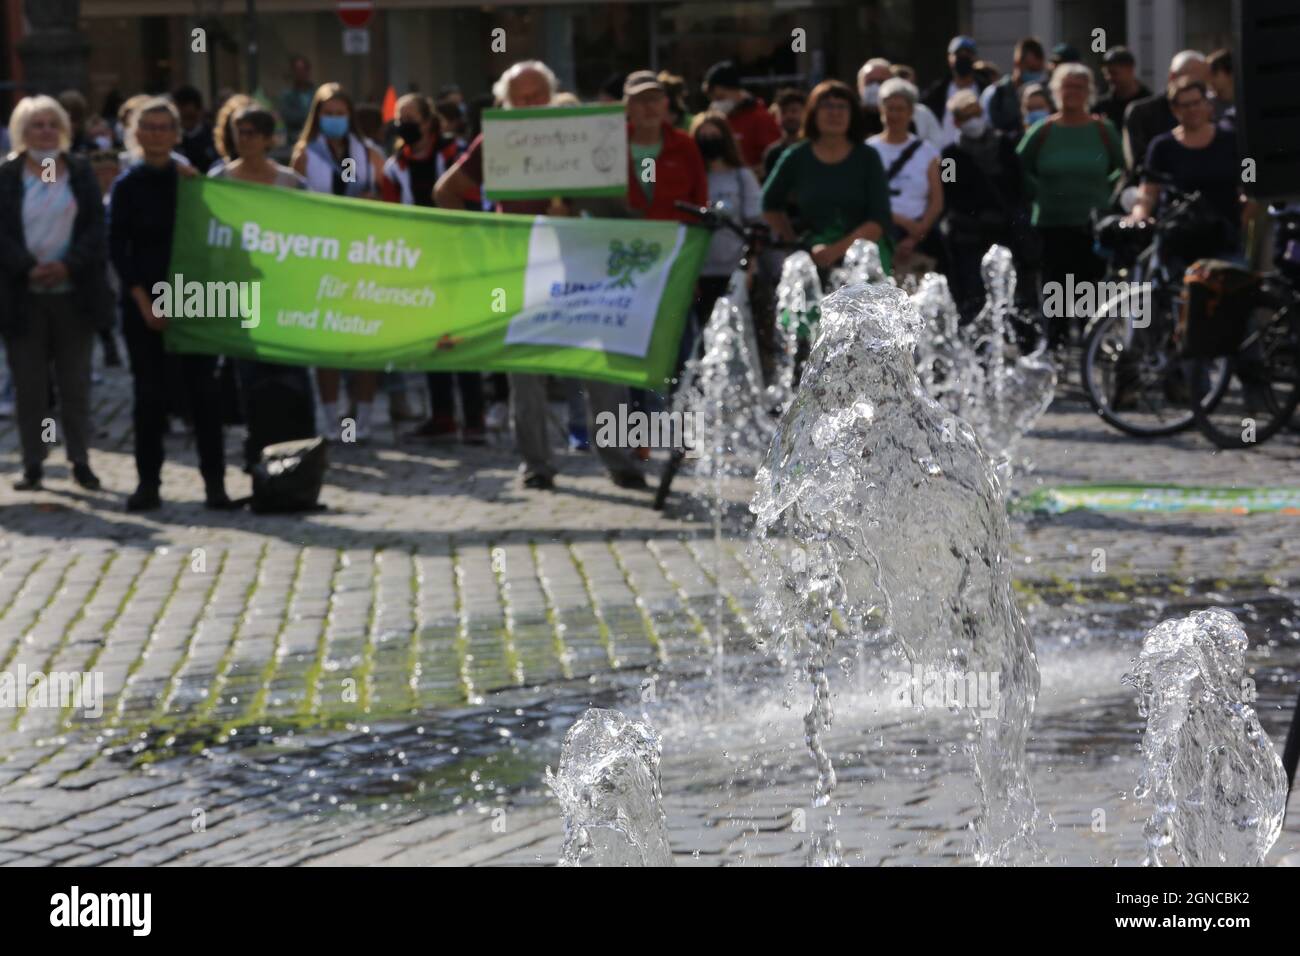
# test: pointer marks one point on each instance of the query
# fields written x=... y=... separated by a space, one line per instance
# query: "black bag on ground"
x=278 y=406
x=1218 y=298
x=289 y=476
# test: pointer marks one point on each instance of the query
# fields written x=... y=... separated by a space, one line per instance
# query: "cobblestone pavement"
x=370 y=683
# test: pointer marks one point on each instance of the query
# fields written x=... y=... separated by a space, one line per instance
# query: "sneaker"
x=578 y=440
x=497 y=417
x=83 y=476
x=144 y=498
x=30 y=481
x=539 y=482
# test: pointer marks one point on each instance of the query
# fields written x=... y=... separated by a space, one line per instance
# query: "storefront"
x=424 y=44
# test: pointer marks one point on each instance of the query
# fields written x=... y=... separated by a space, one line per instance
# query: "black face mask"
x=963 y=67
x=710 y=147
x=410 y=132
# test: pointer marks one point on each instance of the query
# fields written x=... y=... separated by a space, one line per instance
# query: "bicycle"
x=1132 y=373
x=755 y=237
x=1261 y=384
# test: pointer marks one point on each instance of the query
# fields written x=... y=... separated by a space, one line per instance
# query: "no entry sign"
x=355 y=13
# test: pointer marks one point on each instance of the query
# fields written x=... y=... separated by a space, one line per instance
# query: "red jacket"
x=679 y=174
x=754 y=128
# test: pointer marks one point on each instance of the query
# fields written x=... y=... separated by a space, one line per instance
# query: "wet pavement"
x=385 y=681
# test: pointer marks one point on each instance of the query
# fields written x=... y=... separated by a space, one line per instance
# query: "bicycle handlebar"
x=713 y=217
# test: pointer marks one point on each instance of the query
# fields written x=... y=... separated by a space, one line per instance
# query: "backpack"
x=289 y=477
x=1036 y=147
x=1218 y=299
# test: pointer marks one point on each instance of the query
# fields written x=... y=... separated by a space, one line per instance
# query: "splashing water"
x=861 y=264
x=946 y=364
x=1216 y=784
x=877 y=524
x=608 y=786
x=798 y=304
x=1015 y=389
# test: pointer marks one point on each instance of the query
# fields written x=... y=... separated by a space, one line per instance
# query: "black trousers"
x=442 y=401
x=158 y=377
x=1067 y=250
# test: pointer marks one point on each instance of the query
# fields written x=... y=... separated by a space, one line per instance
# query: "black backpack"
x=289 y=477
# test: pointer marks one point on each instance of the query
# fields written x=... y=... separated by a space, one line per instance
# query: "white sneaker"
x=497 y=417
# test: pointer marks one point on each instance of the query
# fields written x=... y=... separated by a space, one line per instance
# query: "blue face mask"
x=334 y=127
x=1033 y=76
x=1033 y=116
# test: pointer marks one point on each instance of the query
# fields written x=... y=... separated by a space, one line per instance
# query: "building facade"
x=134 y=45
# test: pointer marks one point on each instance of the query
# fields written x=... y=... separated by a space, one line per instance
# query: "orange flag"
x=390 y=104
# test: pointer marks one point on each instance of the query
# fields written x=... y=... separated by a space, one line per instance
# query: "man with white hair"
x=1146 y=119
x=871 y=75
x=531 y=83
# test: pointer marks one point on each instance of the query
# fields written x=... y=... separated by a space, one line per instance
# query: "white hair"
x=28 y=108
x=873 y=63
x=1066 y=70
x=897 y=86
x=501 y=88
x=1182 y=60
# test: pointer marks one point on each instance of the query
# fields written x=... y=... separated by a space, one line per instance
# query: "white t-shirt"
x=909 y=191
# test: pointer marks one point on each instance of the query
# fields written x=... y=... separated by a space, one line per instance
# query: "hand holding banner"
x=305 y=279
x=555 y=151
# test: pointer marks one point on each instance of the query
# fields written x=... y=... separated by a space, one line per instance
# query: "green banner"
x=304 y=279
x=1164 y=498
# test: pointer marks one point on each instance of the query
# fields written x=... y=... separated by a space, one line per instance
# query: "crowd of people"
x=1026 y=158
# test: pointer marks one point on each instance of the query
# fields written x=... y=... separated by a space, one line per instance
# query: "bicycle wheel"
x=1136 y=383
x=1262 y=388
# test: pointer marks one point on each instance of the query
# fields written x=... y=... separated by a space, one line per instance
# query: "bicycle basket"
x=1218 y=298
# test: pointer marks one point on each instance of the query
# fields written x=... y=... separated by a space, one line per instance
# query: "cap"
x=641 y=81
x=722 y=74
x=1064 y=53
x=1119 y=55
x=961 y=43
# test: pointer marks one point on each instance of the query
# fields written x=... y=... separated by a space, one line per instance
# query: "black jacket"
x=86 y=259
x=936 y=97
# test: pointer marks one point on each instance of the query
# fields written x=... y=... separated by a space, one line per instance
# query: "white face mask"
x=39 y=156
x=104 y=142
x=723 y=106
x=974 y=127
x=871 y=94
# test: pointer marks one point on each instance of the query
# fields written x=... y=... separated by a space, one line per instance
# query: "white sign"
x=356 y=42
x=591 y=286
x=555 y=151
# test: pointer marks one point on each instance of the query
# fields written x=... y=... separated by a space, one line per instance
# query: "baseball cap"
x=1120 y=56
x=641 y=81
x=962 y=43
x=1064 y=53
x=722 y=74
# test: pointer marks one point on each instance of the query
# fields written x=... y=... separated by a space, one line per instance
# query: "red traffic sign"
x=355 y=13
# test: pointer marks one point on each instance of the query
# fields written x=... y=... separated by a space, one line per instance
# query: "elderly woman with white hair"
x=530 y=84
x=54 y=292
x=1072 y=161
x=912 y=172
